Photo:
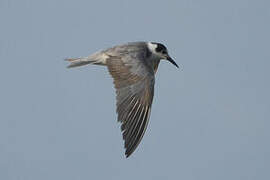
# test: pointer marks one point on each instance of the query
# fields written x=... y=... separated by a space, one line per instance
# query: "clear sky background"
x=210 y=118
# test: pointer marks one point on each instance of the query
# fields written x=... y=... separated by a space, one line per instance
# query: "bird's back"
x=134 y=55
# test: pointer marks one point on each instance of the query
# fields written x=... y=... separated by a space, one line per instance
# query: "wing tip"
x=127 y=154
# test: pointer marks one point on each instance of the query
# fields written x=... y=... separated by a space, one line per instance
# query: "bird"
x=133 y=67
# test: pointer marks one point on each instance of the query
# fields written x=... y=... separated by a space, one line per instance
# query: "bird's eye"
x=164 y=52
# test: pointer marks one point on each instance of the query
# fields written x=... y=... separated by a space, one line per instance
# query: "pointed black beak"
x=172 y=61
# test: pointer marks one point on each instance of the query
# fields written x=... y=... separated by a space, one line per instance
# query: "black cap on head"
x=160 y=47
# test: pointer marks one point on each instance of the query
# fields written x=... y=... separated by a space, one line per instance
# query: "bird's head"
x=159 y=51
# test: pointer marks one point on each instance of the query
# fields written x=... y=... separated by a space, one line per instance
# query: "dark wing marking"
x=134 y=94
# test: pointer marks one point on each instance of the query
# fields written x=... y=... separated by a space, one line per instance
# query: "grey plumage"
x=133 y=67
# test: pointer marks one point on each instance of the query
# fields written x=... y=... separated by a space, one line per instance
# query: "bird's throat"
x=155 y=65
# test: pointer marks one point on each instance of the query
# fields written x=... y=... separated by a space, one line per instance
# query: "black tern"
x=133 y=66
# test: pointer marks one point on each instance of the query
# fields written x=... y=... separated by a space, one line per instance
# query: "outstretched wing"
x=134 y=83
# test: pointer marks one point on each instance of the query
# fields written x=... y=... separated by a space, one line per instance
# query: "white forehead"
x=152 y=47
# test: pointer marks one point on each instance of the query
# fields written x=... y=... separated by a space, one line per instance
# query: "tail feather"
x=98 y=58
x=75 y=62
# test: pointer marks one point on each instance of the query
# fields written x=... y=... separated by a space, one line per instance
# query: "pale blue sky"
x=209 y=121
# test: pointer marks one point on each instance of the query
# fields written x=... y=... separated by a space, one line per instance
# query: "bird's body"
x=132 y=66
